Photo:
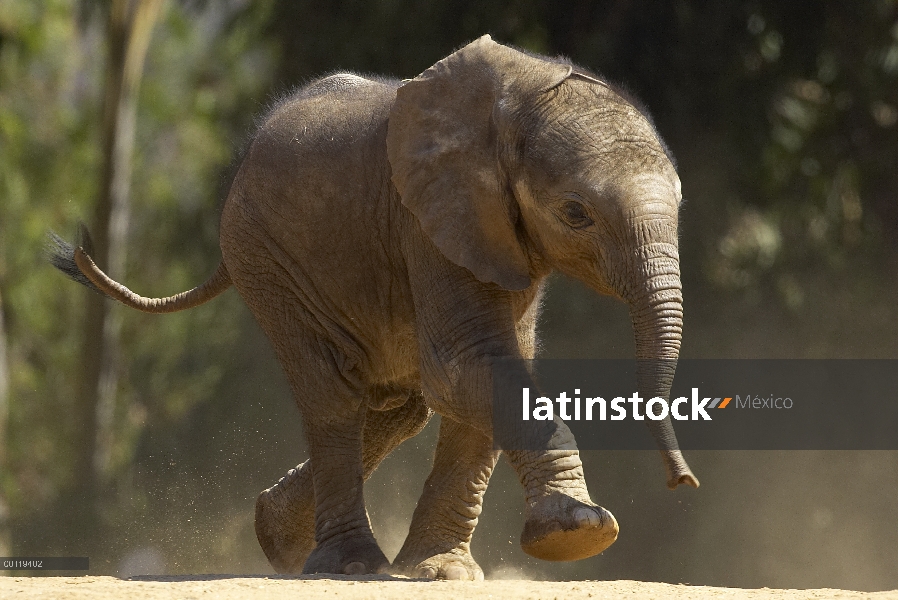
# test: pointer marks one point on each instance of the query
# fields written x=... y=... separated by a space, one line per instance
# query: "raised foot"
x=356 y=555
x=287 y=536
x=456 y=564
x=559 y=527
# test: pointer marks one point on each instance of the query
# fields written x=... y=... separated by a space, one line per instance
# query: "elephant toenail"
x=457 y=572
x=355 y=568
x=426 y=573
x=587 y=517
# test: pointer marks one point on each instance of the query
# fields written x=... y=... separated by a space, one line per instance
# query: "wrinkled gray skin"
x=392 y=239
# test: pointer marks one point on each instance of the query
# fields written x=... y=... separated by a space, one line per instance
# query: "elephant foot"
x=347 y=555
x=285 y=524
x=559 y=527
x=456 y=564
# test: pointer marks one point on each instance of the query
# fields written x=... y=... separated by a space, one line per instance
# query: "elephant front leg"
x=464 y=328
x=285 y=512
x=344 y=542
x=561 y=521
x=438 y=545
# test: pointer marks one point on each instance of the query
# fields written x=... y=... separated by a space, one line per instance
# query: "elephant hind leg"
x=344 y=542
x=285 y=520
x=326 y=387
x=285 y=512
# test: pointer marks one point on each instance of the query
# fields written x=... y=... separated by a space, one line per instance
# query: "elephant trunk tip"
x=678 y=472
x=682 y=478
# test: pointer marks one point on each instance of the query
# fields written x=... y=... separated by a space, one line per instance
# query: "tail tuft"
x=61 y=255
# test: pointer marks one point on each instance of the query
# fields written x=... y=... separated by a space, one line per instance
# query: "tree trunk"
x=129 y=27
x=5 y=541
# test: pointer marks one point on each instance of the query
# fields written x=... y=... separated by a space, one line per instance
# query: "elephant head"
x=515 y=165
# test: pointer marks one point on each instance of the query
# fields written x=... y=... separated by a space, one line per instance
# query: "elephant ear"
x=442 y=146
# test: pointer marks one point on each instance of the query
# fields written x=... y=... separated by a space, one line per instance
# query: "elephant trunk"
x=656 y=308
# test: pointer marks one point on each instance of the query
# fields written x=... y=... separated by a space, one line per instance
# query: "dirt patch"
x=226 y=587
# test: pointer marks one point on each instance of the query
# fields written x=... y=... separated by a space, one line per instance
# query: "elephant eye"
x=575 y=215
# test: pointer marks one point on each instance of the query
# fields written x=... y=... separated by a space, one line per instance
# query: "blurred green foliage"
x=783 y=116
x=193 y=109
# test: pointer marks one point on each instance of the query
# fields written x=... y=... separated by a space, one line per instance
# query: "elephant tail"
x=74 y=260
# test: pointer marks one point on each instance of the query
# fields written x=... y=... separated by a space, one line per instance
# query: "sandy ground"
x=227 y=587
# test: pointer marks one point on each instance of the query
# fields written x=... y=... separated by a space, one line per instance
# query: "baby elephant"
x=392 y=239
